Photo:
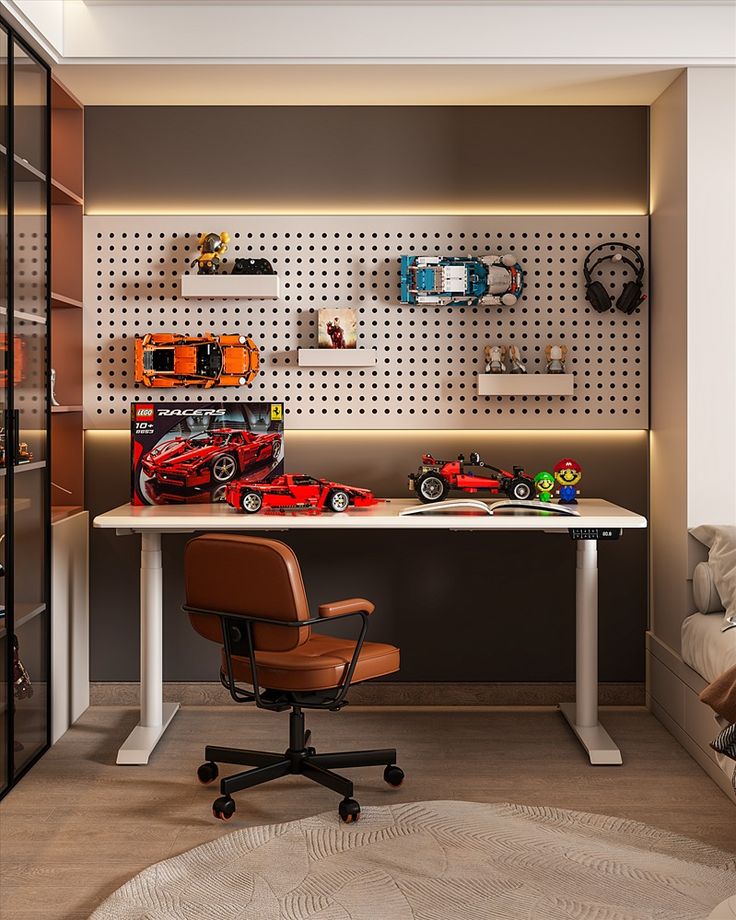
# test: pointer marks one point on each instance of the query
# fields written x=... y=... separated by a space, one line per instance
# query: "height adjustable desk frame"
x=596 y=517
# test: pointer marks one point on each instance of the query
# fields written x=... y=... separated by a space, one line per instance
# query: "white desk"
x=152 y=522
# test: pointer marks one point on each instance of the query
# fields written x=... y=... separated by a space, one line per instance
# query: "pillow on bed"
x=706 y=596
x=721 y=542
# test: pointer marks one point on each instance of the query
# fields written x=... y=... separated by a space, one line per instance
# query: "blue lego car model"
x=459 y=281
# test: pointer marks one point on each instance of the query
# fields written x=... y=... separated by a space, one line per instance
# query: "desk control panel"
x=595 y=533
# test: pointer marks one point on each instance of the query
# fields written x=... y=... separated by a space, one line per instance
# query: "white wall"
x=711 y=294
x=668 y=495
x=693 y=330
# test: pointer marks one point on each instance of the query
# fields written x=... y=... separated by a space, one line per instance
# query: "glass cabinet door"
x=4 y=405
x=29 y=300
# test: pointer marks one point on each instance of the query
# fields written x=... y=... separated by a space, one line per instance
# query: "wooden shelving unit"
x=67 y=209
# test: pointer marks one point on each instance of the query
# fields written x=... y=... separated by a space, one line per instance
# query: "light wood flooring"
x=78 y=826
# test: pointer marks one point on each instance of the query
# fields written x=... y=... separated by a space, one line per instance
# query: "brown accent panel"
x=66 y=355
x=66 y=262
x=366 y=159
x=67 y=150
x=67 y=468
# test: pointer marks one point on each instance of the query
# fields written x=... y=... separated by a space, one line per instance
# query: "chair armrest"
x=350 y=605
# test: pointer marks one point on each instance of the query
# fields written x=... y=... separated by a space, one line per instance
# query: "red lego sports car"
x=296 y=492
x=214 y=456
x=435 y=478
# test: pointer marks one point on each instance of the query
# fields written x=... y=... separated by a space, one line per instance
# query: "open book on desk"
x=474 y=505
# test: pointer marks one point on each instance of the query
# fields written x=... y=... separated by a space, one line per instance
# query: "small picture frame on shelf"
x=337 y=328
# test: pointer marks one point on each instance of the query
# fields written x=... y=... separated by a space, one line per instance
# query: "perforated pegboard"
x=428 y=357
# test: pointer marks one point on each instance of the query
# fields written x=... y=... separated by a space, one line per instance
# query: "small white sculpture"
x=516 y=365
x=495 y=356
x=53 y=387
x=556 y=355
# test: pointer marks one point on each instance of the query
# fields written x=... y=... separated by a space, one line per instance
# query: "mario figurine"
x=568 y=474
x=336 y=334
x=544 y=483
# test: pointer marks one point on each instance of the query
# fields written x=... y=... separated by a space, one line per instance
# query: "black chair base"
x=298 y=758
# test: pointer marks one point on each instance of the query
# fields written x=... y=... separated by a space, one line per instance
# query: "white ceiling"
x=364 y=84
x=375 y=52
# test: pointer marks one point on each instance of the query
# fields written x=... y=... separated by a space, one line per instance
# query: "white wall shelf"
x=262 y=287
x=526 y=384
x=337 y=357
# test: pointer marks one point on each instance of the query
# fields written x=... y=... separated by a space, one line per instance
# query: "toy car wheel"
x=431 y=488
x=251 y=502
x=339 y=500
x=224 y=468
x=276 y=449
x=521 y=489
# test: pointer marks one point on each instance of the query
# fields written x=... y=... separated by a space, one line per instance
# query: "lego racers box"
x=185 y=452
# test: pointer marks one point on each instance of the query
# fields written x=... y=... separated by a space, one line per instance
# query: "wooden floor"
x=78 y=826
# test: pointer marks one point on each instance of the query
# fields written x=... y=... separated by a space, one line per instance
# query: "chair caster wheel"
x=207 y=773
x=311 y=751
x=349 y=811
x=393 y=775
x=223 y=808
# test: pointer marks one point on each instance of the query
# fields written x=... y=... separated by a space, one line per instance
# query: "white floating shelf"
x=263 y=287
x=337 y=357
x=526 y=384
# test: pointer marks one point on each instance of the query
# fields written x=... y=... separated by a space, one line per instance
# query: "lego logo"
x=144 y=412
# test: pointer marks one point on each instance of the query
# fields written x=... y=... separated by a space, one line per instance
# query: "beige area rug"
x=436 y=861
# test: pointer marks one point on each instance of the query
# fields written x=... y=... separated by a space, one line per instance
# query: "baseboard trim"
x=108 y=693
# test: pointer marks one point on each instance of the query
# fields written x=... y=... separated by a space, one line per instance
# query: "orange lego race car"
x=169 y=359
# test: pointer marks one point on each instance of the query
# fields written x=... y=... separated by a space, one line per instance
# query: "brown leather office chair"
x=247 y=594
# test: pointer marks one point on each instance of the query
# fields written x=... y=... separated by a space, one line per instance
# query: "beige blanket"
x=720 y=695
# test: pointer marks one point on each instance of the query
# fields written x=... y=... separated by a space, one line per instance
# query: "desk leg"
x=155 y=714
x=583 y=713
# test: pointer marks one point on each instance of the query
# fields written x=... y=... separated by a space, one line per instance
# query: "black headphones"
x=631 y=295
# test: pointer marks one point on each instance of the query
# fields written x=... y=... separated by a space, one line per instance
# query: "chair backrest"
x=246 y=575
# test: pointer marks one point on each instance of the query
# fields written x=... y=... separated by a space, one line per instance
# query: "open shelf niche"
x=67 y=209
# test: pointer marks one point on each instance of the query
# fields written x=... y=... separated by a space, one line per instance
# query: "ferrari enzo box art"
x=459 y=281
x=187 y=452
x=168 y=359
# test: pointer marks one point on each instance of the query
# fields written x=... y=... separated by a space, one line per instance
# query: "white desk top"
x=594 y=512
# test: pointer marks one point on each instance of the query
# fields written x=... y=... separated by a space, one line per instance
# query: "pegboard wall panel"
x=428 y=357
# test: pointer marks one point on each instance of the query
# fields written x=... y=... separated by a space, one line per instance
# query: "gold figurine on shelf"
x=211 y=246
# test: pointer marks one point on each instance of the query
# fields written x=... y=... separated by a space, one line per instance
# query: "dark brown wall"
x=462 y=606
x=478 y=159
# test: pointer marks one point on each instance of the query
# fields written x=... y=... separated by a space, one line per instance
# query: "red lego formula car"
x=296 y=492
x=214 y=456
x=435 y=478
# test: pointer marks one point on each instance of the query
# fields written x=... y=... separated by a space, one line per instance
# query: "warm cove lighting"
x=597 y=210
x=408 y=433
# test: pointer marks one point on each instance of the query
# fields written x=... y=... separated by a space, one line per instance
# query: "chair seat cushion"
x=317 y=664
